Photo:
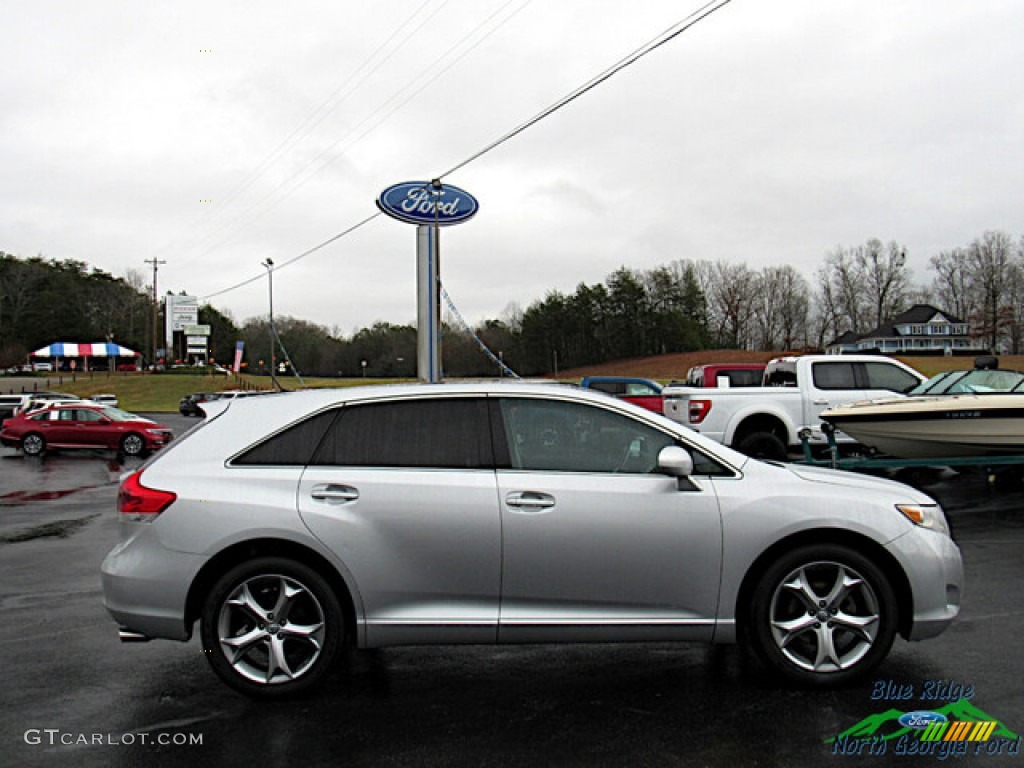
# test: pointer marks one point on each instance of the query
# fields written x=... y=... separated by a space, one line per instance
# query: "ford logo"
x=921 y=719
x=420 y=202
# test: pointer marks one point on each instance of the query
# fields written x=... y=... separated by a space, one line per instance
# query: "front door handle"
x=334 y=494
x=821 y=402
x=530 y=501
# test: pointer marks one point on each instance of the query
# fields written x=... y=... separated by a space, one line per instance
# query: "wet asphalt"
x=72 y=694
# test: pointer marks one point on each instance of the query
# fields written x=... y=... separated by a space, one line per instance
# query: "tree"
x=989 y=258
x=886 y=280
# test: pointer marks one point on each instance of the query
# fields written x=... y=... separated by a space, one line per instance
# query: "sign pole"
x=428 y=304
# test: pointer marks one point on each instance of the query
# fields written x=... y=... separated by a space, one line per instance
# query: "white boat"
x=957 y=413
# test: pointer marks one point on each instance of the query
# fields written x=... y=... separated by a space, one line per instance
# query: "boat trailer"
x=835 y=460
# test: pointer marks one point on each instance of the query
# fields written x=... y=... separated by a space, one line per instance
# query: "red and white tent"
x=95 y=349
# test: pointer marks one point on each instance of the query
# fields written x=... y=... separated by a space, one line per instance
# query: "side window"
x=609 y=387
x=886 y=376
x=82 y=414
x=446 y=433
x=558 y=436
x=293 y=446
x=834 y=376
x=640 y=390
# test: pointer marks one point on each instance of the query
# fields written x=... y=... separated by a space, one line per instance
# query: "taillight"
x=139 y=503
x=698 y=410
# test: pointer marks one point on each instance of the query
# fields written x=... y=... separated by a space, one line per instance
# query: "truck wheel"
x=762 y=445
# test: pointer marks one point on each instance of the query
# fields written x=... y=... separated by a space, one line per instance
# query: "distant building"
x=921 y=330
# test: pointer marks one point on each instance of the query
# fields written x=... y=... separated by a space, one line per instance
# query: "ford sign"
x=424 y=202
x=921 y=719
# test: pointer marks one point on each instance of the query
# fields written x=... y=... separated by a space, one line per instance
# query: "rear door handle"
x=530 y=501
x=334 y=494
x=821 y=402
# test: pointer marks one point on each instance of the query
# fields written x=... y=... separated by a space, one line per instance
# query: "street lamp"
x=269 y=264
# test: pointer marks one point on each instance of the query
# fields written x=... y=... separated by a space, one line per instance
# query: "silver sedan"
x=291 y=525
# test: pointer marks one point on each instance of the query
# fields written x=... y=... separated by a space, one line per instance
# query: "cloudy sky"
x=216 y=134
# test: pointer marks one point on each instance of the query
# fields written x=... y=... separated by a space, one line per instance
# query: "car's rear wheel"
x=133 y=445
x=33 y=444
x=272 y=627
x=823 y=615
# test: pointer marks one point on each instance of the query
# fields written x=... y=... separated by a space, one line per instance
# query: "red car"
x=80 y=425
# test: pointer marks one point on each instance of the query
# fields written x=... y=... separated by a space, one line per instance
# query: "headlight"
x=928 y=516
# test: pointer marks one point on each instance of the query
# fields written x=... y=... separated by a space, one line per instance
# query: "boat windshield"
x=971 y=382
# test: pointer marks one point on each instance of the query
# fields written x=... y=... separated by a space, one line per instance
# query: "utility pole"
x=269 y=264
x=156 y=306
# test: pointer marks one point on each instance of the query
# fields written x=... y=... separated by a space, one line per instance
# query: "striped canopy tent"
x=96 y=349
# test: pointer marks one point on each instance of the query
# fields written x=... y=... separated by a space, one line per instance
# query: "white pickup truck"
x=764 y=422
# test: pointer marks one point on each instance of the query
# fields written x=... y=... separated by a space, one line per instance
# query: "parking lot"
x=74 y=693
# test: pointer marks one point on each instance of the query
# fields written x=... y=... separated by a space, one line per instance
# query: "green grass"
x=160 y=393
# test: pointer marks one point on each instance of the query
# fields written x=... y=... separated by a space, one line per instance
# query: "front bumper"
x=935 y=570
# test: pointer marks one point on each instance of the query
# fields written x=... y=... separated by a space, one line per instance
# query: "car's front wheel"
x=33 y=444
x=823 y=615
x=133 y=445
x=272 y=627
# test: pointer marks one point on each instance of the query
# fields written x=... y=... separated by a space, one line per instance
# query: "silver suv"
x=293 y=524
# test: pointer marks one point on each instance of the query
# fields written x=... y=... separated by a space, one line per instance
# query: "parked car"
x=127 y=367
x=291 y=525
x=642 y=392
x=725 y=375
x=37 y=400
x=9 y=404
x=105 y=399
x=765 y=422
x=83 y=425
x=189 y=404
x=46 y=367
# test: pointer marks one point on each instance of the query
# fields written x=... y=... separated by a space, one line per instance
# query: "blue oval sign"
x=921 y=719
x=419 y=202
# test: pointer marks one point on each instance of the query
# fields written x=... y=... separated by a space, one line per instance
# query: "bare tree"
x=841 y=286
x=952 y=283
x=780 y=307
x=885 y=275
x=990 y=258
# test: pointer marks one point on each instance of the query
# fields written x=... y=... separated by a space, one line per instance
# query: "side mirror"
x=675 y=461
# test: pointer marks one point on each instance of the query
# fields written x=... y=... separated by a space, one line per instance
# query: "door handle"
x=334 y=494
x=821 y=402
x=530 y=501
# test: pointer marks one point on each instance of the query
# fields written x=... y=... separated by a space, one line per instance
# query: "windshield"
x=971 y=382
x=116 y=414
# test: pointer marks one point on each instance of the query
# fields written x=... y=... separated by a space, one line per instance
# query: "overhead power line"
x=665 y=37
x=668 y=35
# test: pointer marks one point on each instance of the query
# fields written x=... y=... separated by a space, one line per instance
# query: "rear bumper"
x=145 y=586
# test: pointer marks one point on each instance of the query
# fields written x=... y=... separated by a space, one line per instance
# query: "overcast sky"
x=216 y=134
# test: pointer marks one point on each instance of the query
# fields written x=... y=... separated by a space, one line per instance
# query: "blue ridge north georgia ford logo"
x=424 y=202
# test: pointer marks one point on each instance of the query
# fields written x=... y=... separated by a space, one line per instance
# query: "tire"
x=763 y=445
x=133 y=445
x=822 y=615
x=33 y=444
x=266 y=656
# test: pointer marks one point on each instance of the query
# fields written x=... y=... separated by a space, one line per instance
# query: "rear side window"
x=448 y=433
x=293 y=446
x=834 y=376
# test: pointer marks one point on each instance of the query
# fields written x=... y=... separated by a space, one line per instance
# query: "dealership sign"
x=425 y=202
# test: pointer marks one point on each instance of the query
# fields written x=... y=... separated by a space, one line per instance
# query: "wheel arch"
x=861 y=544
x=243 y=551
x=760 y=422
